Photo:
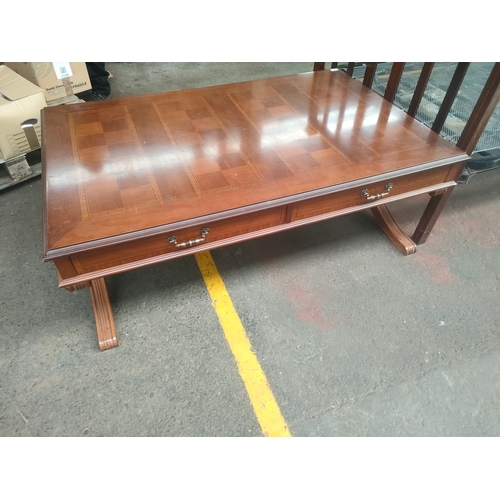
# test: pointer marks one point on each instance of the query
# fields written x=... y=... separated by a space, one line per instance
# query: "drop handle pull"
x=376 y=196
x=173 y=239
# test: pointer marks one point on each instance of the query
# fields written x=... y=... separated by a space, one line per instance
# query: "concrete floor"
x=354 y=338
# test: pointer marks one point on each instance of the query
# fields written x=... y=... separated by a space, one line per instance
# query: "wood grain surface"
x=118 y=170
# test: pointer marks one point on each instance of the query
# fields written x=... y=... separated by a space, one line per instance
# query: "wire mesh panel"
x=467 y=97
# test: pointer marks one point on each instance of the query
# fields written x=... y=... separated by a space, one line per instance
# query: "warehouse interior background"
x=355 y=339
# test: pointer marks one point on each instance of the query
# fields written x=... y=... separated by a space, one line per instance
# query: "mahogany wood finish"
x=430 y=216
x=391 y=228
x=486 y=104
x=124 y=176
x=394 y=79
x=78 y=286
x=104 y=319
x=449 y=98
x=371 y=69
x=423 y=80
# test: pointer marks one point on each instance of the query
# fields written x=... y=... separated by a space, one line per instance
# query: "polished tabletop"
x=130 y=165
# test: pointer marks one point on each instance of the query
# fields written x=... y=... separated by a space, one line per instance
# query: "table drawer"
x=359 y=197
x=190 y=237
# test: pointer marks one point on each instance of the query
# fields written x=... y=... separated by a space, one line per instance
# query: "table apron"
x=97 y=263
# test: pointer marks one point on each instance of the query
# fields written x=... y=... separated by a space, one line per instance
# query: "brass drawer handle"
x=376 y=196
x=189 y=243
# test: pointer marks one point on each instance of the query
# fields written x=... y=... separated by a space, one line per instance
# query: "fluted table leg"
x=105 y=322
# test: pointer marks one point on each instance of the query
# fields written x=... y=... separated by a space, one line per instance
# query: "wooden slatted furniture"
x=136 y=181
x=485 y=106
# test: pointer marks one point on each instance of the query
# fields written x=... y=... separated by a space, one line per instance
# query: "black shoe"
x=99 y=97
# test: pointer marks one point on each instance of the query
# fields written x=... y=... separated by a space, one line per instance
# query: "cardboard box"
x=57 y=79
x=20 y=104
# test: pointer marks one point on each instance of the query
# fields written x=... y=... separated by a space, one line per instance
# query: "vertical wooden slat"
x=430 y=216
x=371 y=69
x=394 y=79
x=420 y=88
x=486 y=104
x=334 y=65
x=318 y=66
x=350 y=68
x=449 y=98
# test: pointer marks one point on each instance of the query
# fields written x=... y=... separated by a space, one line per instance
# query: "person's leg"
x=101 y=89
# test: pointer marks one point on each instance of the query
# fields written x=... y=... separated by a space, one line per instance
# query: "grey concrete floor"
x=354 y=338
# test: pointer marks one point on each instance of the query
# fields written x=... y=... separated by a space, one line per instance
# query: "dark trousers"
x=99 y=78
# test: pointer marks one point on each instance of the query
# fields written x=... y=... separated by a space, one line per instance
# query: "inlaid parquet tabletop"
x=135 y=163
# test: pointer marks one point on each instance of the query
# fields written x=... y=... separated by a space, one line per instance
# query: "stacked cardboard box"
x=26 y=88
x=20 y=105
x=56 y=79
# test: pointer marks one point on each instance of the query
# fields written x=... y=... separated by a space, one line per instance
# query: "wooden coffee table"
x=136 y=181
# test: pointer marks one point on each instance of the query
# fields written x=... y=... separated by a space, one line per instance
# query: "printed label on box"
x=62 y=69
x=19 y=142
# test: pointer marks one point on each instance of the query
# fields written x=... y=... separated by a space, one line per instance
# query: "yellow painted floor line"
x=265 y=407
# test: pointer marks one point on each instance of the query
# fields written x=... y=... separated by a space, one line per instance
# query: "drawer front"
x=153 y=246
x=358 y=197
